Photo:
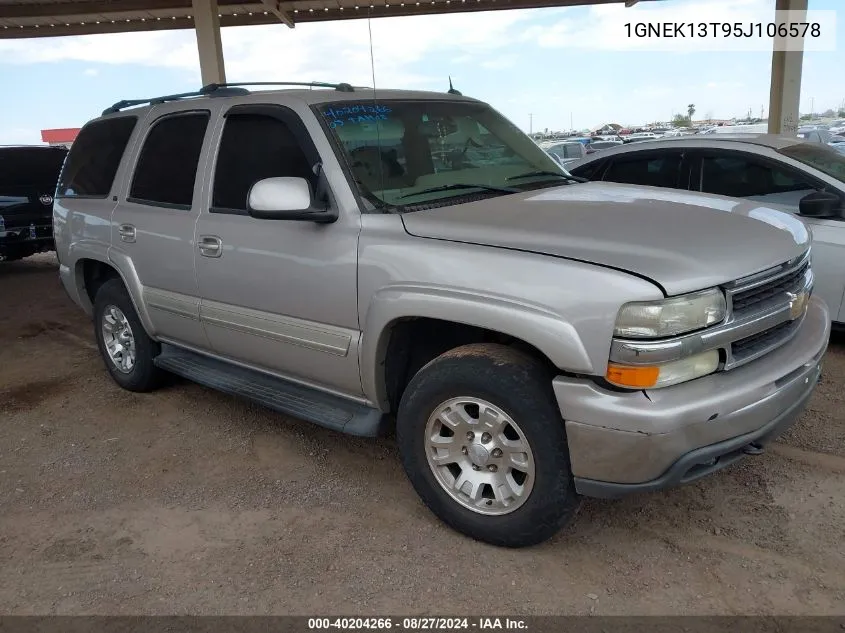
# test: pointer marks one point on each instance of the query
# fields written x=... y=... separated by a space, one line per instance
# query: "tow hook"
x=753 y=449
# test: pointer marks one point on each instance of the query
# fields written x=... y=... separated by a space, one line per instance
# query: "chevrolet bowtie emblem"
x=797 y=304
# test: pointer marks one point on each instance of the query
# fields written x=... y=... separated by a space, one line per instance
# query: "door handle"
x=210 y=246
x=126 y=232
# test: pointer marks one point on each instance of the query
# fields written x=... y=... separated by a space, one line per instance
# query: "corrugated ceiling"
x=50 y=18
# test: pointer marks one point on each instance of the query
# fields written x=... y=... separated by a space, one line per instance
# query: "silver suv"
x=373 y=260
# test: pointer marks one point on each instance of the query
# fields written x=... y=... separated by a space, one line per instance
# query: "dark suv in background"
x=28 y=177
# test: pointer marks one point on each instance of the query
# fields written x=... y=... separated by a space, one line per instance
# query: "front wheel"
x=484 y=445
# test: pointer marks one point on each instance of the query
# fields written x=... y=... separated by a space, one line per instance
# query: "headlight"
x=668 y=317
x=672 y=373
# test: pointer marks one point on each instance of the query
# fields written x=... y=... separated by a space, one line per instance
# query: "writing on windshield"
x=339 y=116
x=422 y=149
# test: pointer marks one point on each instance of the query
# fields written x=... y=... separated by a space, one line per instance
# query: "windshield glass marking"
x=339 y=116
x=398 y=149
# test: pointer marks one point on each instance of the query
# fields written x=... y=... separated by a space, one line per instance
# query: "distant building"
x=713 y=122
x=60 y=136
x=607 y=128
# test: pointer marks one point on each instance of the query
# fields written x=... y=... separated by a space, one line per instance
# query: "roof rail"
x=341 y=87
x=205 y=91
x=223 y=90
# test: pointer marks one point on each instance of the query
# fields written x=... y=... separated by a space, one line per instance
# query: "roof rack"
x=222 y=90
x=341 y=87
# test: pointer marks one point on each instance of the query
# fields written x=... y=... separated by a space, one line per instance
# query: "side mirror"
x=285 y=198
x=820 y=204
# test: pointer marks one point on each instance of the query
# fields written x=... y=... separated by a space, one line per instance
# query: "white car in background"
x=815 y=134
x=565 y=152
x=805 y=178
x=641 y=136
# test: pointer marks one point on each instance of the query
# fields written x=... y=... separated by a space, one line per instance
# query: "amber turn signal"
x=636 y=376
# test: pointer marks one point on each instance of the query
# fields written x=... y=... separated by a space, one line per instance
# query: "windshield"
x=822 y=157
x=419 y=152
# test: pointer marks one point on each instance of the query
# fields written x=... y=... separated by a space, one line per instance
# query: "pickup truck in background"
x=28 y=177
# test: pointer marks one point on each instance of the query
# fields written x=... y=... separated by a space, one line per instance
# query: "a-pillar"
x=785 y=89
x=207 y=26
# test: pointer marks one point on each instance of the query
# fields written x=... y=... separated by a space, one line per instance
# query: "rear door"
x=153 y=223
x=655 y=168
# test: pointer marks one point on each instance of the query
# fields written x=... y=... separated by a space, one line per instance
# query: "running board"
x=286 y=397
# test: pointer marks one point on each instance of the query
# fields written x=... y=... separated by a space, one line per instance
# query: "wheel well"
x=414 y=342
x=95 y=274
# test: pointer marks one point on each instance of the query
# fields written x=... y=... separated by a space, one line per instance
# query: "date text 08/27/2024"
x=416 y=623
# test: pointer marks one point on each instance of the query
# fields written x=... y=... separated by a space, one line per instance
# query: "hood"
x=683 y=241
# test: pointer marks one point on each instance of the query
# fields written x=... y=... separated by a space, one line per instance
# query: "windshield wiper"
x=530 y=174
x=461 y=186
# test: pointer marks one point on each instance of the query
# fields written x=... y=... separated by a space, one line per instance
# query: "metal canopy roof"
x=51 y=18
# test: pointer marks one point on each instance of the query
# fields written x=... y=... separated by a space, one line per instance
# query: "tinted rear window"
x=94 y=157
x=167 y=168
x=30 y=167
x=655 y=170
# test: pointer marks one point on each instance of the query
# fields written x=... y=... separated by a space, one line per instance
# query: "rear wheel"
x=484 y=445
x=124 y=344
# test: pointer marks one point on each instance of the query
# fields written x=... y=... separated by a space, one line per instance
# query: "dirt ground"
x=189 y=501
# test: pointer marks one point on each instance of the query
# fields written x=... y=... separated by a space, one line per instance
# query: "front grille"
x=747 y=300
x=751 y=347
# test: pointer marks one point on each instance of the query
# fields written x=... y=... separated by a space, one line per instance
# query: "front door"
x=277 y=295
x=153 y=223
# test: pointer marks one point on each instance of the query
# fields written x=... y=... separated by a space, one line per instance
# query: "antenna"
x=373 y=70
x=452 y=91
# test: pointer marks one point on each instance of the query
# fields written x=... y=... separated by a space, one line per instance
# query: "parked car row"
x=419 y=262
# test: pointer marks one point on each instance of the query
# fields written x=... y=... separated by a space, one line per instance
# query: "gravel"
x=189 y=501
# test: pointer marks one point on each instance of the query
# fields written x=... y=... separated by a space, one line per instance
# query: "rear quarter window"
x=94 y=157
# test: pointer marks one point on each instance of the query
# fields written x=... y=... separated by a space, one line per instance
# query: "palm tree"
x=690 y=110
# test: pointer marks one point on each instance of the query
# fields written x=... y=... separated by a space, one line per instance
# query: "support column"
x=207 y=27
x=785 y=88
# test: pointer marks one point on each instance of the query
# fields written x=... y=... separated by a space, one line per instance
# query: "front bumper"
x=627 y=442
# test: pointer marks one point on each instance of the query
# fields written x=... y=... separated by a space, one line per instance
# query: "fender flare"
x=125 y=270
x=544 y=329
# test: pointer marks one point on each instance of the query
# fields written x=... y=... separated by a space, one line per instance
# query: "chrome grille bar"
x=747 y=326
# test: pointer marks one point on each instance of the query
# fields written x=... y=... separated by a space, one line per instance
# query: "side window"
x=573 y=151
x=94 y=157
x=167 y=167
x=742 y=177
x=254 y=147
x=656 y=170
x=590 y=170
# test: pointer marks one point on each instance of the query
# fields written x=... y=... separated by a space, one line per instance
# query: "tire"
x=518 y=387
x=142 y=375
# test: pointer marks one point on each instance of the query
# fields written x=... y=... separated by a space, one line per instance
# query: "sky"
x=542 y=68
